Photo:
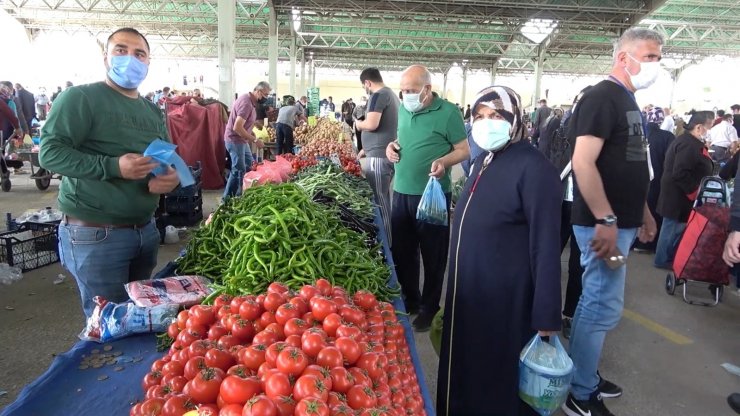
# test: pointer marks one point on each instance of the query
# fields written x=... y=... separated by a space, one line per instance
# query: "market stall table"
x=65 y=389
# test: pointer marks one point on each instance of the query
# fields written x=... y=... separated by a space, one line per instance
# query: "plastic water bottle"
x=9 y=274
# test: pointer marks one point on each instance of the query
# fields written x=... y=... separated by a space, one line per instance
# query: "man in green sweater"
x=95 y=138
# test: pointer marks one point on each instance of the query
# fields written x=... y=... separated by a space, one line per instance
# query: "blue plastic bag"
x=433 y=205
x=545 y=373
x=164 y=153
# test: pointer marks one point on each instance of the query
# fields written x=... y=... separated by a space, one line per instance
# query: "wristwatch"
x=609 y=220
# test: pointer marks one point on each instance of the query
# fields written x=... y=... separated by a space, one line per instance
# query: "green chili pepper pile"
x=275 y=233
x=348 y=190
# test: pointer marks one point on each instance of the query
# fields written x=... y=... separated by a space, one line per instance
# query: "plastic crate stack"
x=29 y=245
x=184 y=206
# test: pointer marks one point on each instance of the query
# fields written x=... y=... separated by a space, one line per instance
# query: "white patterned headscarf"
x=507 y=103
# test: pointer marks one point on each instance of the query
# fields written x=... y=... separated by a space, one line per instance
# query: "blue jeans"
x=241 y=163
x=102 y=260
x=599 y=308
x=668 y=239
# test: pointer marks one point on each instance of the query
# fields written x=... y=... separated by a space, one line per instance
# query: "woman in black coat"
x=504 y=268
x=687 y=161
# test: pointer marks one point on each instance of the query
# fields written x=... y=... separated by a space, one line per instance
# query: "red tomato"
x=176 y=384
x=273 y=350
x=277 y=287
x=182 y=319
x=250 y=310
x=173 y=330
x=330 y=357
x=311 y=407
x=237 y=390
x=365 y=300
x=307 y=292
x=153 y=378
x=159 y=391
x=237 y=302
x=199 y=348
x=294 y=340
x=266 y=319
x=331 y=323
x=285 y=405
x=177 y=405
x=295 y=326
x=222 y=300
x=186 y=338
x=341 y=379
x=349 y=348
x=204 y=387
x=360 y=376
x=336 y=399
x=231 y=410
x=253 y=356
x=300 y=304
x=292 y=361
x=243 y=330
x=273 y=301
x=202 y=315
x=311 y=319
x=260 y=406
x=224 y=312
x=312 y=343
x=285 y=312
x=352 y=314
x=370 y=362
x=342 y=410
x=310 y=386
x=208 y=410
x=266 y=337
x=228 y=341
x=361 y=397
x=321 y=307
x=323 y=286
x=157 y=365
x=219 y=358
x=239 y=370
x=278 y=384
x=173 y=367
x=349 y=331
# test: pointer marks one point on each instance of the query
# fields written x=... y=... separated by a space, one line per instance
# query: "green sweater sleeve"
x=63 y=136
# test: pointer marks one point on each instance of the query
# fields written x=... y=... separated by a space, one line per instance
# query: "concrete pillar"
x=226 y=50
x=444 y=84
x=676 y=74
x=313 y=74
x=494 y=69
x=303 y=73
x=465 y=86
x=272 y=49
x=293 y=52
x=539 y=65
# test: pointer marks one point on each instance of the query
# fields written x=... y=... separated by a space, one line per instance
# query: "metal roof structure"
x=353 y=34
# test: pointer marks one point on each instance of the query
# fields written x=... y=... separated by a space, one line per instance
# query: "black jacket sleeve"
x=730 y=168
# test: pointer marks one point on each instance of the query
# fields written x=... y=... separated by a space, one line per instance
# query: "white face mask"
x=648 y=74
x=491 y=134
x=413 y=102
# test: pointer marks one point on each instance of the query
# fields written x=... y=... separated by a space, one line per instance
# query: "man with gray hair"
x=238 y=136
x=431 y=140
x=611 y=175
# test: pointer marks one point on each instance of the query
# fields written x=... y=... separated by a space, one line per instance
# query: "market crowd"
x=580 y=174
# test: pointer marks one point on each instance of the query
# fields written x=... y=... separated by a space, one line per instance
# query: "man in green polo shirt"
x=431 y=140
x=96 y=136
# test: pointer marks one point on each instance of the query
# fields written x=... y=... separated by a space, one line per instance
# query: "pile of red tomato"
x=318 y=352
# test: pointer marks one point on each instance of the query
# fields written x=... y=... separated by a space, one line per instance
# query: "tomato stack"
x=316 y=352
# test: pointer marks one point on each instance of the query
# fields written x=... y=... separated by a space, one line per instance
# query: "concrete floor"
x=665 y=354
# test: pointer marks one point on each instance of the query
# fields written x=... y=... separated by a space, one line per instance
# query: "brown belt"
x=75 y=221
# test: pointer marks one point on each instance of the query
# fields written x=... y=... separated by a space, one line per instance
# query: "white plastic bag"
x=171 y=235
x=545 y=373
x=111 y=321
x=433 y=205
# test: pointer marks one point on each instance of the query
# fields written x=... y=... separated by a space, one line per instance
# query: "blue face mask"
x=127 y=71
x=491 y=134
x=413 y=102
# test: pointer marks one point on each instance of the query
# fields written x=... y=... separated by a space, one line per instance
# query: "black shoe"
x=734 y=401
x=423 y=322
x=567 y=324
x=594 y=406
x=608 y=389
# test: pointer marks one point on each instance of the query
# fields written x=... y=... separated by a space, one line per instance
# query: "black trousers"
x=284 y=138
x=575 y=270
x=410 y=239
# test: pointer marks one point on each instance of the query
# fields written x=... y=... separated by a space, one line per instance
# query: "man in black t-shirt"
x=611 y=169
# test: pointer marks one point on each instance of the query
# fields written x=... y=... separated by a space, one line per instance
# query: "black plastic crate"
x=183 y=204
x=30 y=246
x=192 y=190
x=183 y=220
